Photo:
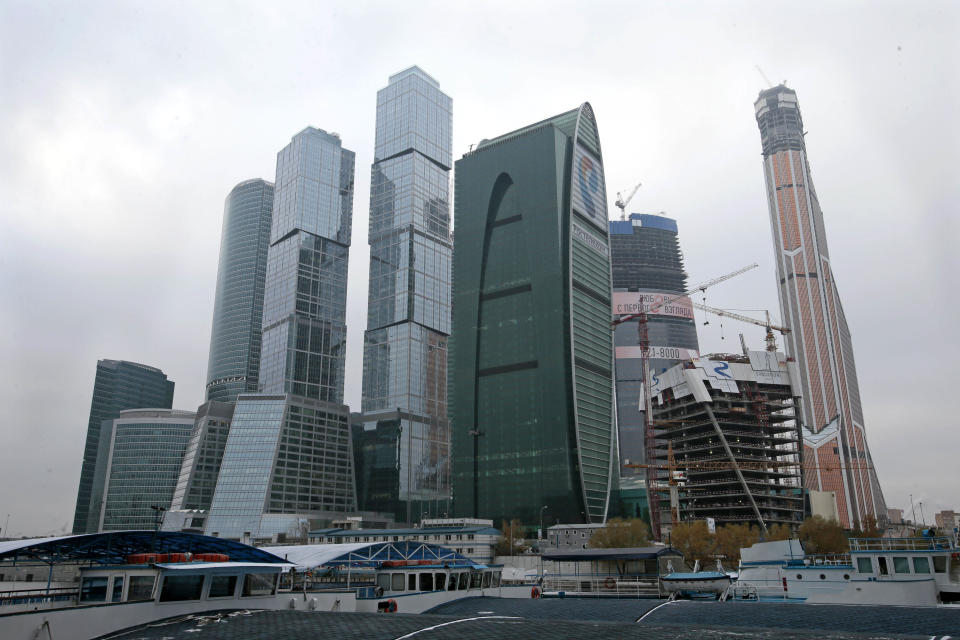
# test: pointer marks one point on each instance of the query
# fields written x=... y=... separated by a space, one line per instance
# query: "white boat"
x=405 y=577
x=696 y=582
x=891 y=571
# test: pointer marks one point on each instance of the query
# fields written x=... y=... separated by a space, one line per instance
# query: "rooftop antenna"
x=764 y=76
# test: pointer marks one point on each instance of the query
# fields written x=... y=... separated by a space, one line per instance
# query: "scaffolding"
x=738 y=445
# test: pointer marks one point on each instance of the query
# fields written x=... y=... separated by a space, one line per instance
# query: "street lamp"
x=541 y=538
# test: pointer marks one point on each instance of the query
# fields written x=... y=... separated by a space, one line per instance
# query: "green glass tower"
x=531 y=350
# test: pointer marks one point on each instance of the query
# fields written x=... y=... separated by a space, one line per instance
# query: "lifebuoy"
x=535 y=593
x=391 y=606
x=609 y=584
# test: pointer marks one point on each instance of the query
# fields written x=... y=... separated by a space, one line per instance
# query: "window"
x=259 y=584
x=882 y=562
x=452 y=582
x=921 y=565
x=383 y=581
x=463 y=581
x=475 y=580
x=93 y=590
x=397 y=583
x=117 y=595
x=901 y=565
x=486 y=580
x=439 y=580
x=411 y=582
x=940 y=564
x=177 y=588
x=864 y=565
x=496 y=579
x=141 y=588
x=426 y=582
x=222 y=586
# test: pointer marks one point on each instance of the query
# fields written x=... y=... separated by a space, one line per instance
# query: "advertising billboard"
x=589 y=192
x=627 y=302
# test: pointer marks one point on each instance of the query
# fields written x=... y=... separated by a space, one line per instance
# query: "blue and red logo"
x=589 y=178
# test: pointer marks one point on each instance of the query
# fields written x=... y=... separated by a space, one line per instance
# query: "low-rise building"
x=570 y=536
x=948 y=520
x=474 y=538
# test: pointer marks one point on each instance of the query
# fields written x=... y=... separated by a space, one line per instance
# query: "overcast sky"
x=123 y=127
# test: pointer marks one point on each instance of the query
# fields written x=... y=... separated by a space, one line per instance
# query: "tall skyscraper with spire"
x=408 y=313
x=835 y=443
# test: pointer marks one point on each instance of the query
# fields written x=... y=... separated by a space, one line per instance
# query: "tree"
x=733 y=537
x=778 y=532
x=694 y=540
x=620 y=533
x=820 y=535
x=868 y=530
x=510 y=541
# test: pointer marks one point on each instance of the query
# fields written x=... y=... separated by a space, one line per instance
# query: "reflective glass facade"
x=810 y=305
x=304 y=312
x=287 y=460
x=201 y=461
x=645 y=258
x=531 y=355
x=119 y=385
x=408 y=321
x=235 y=339
x=146 y=449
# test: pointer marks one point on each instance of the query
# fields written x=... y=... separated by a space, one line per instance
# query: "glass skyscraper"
x=531 y=355
x=143 y=463
x=835 y=441
x=235 y=339
x=408 y=322
x=202 y=459
x=647 y=265
x=288 y=460
x=118 y=385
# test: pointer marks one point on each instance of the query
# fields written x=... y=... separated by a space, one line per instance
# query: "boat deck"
x=586 y=619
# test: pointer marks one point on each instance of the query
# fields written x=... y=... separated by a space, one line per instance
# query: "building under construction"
x=728 y=425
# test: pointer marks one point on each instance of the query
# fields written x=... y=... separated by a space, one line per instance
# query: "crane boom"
x=700 y=287
x=622 y=202
x=771 y=340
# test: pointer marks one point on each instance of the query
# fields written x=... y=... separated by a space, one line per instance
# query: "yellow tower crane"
x=771 y=340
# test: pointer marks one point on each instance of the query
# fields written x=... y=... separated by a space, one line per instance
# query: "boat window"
x=939 y=564
x=397 y=584
x=411 y=582
x=439 y=580
x=475 y=580
x=141 y=588
x=93 y=590
x=901 y=565
x=463 y=581
x=259 y=584
x=864 y=565
x=452 y=582
x=117 y=595
x=882 y=562
x=176 y=588
x=486 y=580
x=383 y=581
x=921 y=565
x=426 y=582
x=496 y=578
x=222 y=586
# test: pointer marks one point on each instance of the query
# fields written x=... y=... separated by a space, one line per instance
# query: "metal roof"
x=635 y=553
x=113 y=547
x=406 y=532
x=366 y=554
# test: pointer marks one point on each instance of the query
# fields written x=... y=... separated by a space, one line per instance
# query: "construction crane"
x=643 y=338
x=622 y=202
x=770 y=339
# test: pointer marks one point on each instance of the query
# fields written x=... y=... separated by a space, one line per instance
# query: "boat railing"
x=827 y=559
x=604 y=585
x=859 y=545
x=38 y=596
